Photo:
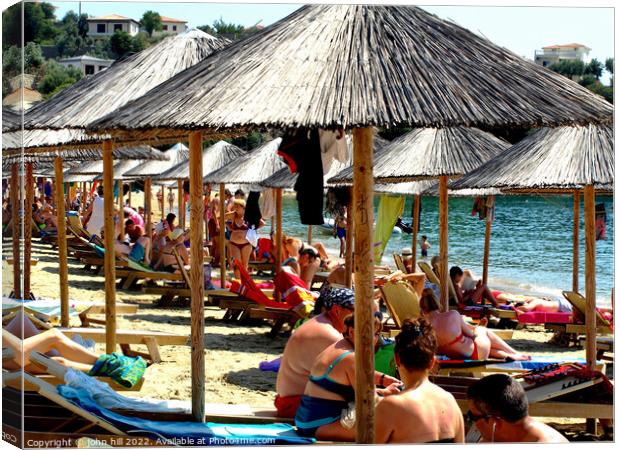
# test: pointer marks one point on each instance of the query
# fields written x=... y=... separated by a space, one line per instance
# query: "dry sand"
x=233 y=352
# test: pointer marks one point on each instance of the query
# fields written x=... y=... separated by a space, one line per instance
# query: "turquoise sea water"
x=531 y=241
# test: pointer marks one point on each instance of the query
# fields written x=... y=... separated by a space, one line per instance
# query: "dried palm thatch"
x=409 y=188
x=252 y=168
x=286 y=180
x=142 y=152
x=214 y=158
x=121 y=168
x=552 y=159
x=177 y=154
x=429 y=153
x=49 y=140
x=360 y=65
x=95 y=96
x=433 y=190
x=11 y=120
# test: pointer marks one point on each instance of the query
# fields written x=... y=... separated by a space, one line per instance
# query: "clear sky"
x=520 y=29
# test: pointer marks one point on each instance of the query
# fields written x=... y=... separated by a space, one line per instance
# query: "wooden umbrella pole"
x=181 y=219
x=120 y=197
x=163 y=203
x=28 y=228
x=82 y=198
x=348 y=251
x=129 y=194
x=63 y=268
x=278 y=255
x=16 y=231
x=222 y=236
x=109 y=257
x=487 y=244
x=576 y=208
x=415 y=223
x=148 y=225
x=443 y=240
x=197 y=275
x=309 y=234
x=590 y=230
x=364 y=288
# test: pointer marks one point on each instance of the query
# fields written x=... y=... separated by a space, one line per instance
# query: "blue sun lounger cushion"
x=188 y=433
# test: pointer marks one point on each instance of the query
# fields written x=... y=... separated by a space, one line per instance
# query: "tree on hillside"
x=56 y=78
x=594 y=68
x=569 y=68
x=121 y=43
x=139 y=42
x=609 y=65
x=39 y=23
x=151 y=21
x=230 y=30
x=12 y=63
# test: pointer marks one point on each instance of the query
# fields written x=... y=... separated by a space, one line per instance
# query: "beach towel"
x=294 y=291
x=246 y=287
x=187 y=433
x=125 y=370
x=390 y=208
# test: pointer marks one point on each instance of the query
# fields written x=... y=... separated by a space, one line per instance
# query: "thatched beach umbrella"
x=252 y=168
x=10 y=119
x=559 y=160
x=354 y=66
x=430 y=153
x=100 y=94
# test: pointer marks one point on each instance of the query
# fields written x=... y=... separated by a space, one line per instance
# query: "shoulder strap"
x=336 y=361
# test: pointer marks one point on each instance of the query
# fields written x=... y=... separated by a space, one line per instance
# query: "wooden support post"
x=576 y=211
x=181 y=218
x=348 y=251
x=148 y=197
x=63 y=268
x=120 y=197
x=415 y=224
x=129 y=194
x=163 y=202
x=109 y=257
x=487 y=243
x=278 y=255
x=222 y=240
x=590 y=230
x=197 y=276
x=83 y=198
x=443 y=240
x=309 y=234
x=16 y=231
x=28 y=228
x=364 y=288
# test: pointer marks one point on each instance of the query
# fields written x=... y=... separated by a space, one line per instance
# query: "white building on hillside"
x=172 y=26
x=105 y=26
x=88 y=65
x=555 y=53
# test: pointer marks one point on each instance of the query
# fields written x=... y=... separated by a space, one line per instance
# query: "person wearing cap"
x=498 y=407
x=307 y=342
x=407 y=258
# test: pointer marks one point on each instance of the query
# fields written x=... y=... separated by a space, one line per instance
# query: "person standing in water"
x=424 y=245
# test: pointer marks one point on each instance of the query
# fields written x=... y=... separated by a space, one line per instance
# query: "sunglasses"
x=470 y=416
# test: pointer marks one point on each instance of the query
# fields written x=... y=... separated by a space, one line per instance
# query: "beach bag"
x=252 y=237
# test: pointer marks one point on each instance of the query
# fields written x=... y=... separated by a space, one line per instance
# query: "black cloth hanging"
x=252 y=211
x=301 y=150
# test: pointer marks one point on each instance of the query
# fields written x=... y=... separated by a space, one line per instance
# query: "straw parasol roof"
x=552 y=159
x=360 y=65
x=214 y=157
x=430 y=153
x=177 y=154
x=408 y=188
x=286 y=180
x=121 y=168
x=251 y=168
x=143 y=152
x=92 y=97
x=45 y=140
x=10 y=119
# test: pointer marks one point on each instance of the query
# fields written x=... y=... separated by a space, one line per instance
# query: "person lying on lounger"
x=470 y=294
x=459 y=340
x=305 y=266
x=330 y=390
x=166 y=261
x=52 y=343
x=293 y=248
x=498 y=407
x=435 y=412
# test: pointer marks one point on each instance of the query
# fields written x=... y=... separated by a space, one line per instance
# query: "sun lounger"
x=401 y=300
x=262 y=267
x=400 y=265
x=604 y=344
x=433 y=278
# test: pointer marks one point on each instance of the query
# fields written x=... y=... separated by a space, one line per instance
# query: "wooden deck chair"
x=433 y=278
x=402 y=301
x=262 y=267
x=604 y=344
x=568 y=333
x=400 y=265
x=178 y=287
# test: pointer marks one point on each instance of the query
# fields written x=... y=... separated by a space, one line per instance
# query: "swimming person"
x=330 y=390
x=459 y=340
x=435 y=412
x=498 y=407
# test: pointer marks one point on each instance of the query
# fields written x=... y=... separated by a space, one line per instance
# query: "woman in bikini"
x=459 y=340
x=239 y=247
x=167 y=261
x=435 y=412
x=329 y=389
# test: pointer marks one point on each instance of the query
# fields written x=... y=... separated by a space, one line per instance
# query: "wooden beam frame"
x=109 y=258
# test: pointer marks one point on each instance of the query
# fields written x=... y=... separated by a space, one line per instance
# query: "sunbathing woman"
x=329 y=389
x=293 y=247
x=239 y=246
x=460 y=340
x=166 y=261
x=435 y=412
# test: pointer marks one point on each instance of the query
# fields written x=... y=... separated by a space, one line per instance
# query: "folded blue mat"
x=188 y=433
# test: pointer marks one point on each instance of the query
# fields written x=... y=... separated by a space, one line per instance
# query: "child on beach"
x=424 y=245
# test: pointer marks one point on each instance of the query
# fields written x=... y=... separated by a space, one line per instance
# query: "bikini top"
x=459 y=338
x=327 y=383
x=244 y=226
